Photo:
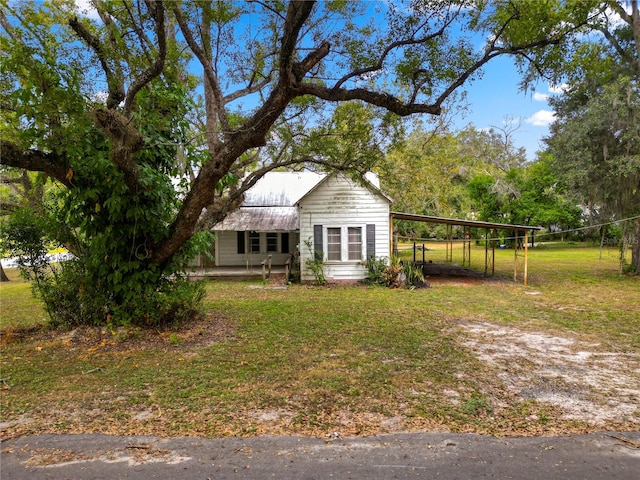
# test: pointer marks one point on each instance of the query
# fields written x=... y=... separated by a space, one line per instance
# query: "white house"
x=344 y=221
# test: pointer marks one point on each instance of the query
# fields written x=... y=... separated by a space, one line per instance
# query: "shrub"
x=75 y=293
x=315 y=264
x=375 y=271
x=71 y=301
x=414 y=277
x=395 y=274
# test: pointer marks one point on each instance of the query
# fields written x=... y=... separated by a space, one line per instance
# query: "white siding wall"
x=226 y=251
x=338 y=202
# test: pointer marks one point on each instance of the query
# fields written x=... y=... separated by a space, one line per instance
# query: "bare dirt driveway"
x=583 y=380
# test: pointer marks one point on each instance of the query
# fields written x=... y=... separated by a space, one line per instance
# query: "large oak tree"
x=595 y=141
x=105 y=103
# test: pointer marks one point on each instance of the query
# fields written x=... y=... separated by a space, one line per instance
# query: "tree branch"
x=378 y=99
x=211 y=80
x=36 y=161
x=380 y=63
x=157 y=12
x=297 y=14
x=115 y=83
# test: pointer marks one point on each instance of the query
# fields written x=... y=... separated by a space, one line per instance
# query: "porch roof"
x=260 y=219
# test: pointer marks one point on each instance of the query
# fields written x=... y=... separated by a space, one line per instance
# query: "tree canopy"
x=595 y=141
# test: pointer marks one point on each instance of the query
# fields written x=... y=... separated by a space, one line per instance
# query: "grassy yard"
x=312 y=360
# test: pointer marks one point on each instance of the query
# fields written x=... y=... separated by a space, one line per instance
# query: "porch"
x=263 y=271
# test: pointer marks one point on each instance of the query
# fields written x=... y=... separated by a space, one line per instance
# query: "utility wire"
x=561 y=232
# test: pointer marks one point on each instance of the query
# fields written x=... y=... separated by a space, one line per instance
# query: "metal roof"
x=464 y=223
x=260 y=219
x=271 y=204
x=281 y=189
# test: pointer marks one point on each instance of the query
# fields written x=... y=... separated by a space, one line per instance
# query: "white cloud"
x=558 y=88
x=540 y=97
x=542 y=118
x=86 y=8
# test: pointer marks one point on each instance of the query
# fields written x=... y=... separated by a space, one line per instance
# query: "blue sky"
x=496 y=97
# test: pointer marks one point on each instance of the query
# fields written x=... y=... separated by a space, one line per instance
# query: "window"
x=254 y=242
x=343 y=243
x=334 y=244
x=272 y=242
x=355 y=243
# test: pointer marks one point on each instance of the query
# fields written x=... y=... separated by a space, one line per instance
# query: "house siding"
x=339 y=202
x=226 y=251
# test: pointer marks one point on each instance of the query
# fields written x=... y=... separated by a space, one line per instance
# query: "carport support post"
x=515 y=258
x=526 y=257
x=393 y=245
x=489 y=260
x=466 y=247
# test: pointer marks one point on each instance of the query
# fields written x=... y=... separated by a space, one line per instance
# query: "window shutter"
x=284 y=242
x=241 y=246
x=371 y=240
x=317 y=242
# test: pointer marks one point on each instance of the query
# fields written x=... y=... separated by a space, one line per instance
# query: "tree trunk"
x=3 y=276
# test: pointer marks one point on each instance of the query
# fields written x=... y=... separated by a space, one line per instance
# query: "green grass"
x=318 y=359
x=18 y=308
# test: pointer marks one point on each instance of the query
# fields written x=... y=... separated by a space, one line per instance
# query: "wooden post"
x=486 y=251
x=391 y=238
x=515 y=258
x=526 y=257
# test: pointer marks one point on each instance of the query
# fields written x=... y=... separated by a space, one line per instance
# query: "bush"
x=414 y=278
x=315 y=264
x=375 y=271
x=394 y=275
x=71 y=301
x=81 y=292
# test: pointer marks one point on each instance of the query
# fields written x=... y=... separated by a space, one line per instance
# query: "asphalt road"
x=399 y=456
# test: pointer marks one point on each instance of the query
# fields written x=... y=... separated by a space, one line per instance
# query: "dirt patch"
x=455 y=275
x=586 y=383
x=209 y=328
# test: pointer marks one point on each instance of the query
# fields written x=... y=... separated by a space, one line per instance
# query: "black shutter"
x=284 y=242
x=371 y=240
x=241 y=245
x=317 y=242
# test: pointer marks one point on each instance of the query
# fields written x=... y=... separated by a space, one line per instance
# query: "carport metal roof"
x=464 y=223
x=521 y=248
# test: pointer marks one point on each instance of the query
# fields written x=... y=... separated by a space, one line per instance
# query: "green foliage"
x=315 y=264
x=394 y=274
x=73 y=295
x=375 y=270
x=24 y=236
x=595 y=140
x=413 y=275
x=144 y=159
x=73 y=300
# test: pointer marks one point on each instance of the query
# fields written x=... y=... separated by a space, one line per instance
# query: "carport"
x=521 y=235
